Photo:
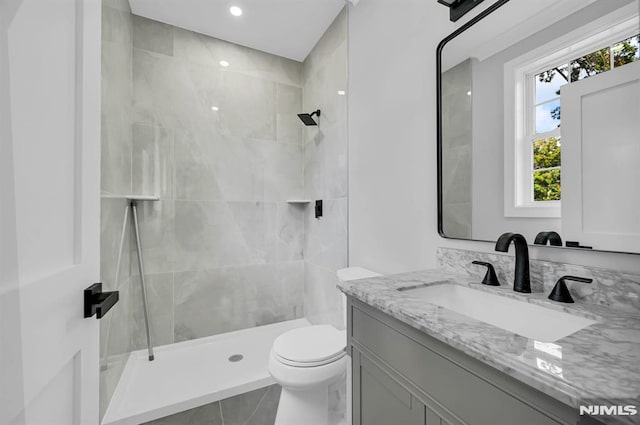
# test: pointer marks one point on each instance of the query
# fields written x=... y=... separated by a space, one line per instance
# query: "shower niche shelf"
x=299 y=201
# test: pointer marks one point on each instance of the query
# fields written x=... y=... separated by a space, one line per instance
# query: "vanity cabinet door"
x=432 y=418
x=379 y=400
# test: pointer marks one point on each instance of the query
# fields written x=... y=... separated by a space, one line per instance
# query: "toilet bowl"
x=306 y=361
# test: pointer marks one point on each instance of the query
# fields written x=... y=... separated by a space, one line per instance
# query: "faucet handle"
x=491 y=278
x=561 y=293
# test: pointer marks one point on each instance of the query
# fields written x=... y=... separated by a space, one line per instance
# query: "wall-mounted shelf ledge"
x=299 y=201
x=133 y=197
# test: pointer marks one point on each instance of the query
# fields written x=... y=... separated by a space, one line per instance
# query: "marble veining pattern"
x=598 y=363
x=325 y=173
x=620 y=291
x=116 y=160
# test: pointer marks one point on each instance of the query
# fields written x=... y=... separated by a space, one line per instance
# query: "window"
x=533 y=82
x=545 y=112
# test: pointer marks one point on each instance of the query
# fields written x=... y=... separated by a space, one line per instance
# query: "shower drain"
x=236 y=358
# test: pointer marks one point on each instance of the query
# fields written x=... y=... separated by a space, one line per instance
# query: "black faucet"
x=522 y=282
x=553 y=238
x=561 y=293
x=490 y=278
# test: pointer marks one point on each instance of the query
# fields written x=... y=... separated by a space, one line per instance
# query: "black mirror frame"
x=441 y=45
x=488 y=11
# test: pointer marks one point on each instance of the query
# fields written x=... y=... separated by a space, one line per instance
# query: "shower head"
x=307 y=119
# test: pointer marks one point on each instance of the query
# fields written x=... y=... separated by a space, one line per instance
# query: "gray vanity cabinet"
x=402 y=376
x=382 y=399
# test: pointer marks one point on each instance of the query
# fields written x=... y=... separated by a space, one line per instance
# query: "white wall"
x=392 y=141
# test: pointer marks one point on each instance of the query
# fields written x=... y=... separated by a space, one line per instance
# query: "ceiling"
x=518 y=20
x=288 y=28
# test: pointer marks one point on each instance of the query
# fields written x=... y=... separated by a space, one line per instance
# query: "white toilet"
x=306 y=361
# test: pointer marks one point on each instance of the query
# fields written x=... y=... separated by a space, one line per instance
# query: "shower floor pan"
x=193 y=373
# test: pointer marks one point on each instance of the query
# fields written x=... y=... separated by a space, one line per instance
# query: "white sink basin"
x=529 y=320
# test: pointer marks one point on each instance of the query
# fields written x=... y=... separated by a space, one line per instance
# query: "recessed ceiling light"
x=342 y=92
x=215 y=108
x=235 y=11
x=469 y=93
x=224 y=63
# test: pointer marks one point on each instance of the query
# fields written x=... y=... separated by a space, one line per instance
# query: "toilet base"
x=308 y=407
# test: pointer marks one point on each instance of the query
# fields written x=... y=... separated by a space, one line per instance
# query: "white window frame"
x=519 y=101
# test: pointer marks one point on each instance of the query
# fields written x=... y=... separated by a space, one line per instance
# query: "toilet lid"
x=311 y=345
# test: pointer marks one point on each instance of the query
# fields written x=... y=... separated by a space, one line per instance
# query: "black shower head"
x=307 y=119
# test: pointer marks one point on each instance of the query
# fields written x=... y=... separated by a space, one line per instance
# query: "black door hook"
x=98 y=303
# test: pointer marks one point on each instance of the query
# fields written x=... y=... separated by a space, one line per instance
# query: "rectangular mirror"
x=539 y=124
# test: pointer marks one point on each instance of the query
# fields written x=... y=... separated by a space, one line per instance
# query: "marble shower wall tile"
x=176 y=94
x=208 y=236
x=153 y=159
x=324 y=82
x=159 y=288
x=201 y=49
x=325 y=174
x=116 y=23
x=111 y=221
x=326 y=238
x=122 y=5
x=152 y=35
x=196 y=171
x=157 y=237
x=335 y=35
x=290 y=230
x=164 y=93
x=325 y=164
x=115 y=170
x=208 y=302
x=326 y=145
x=247 y=106
x=289 y=104
x=322 y=299
x=115 y=117
x=609 y=288
x=211 y=166
x=457 y=153
x=281 y=171
x=115 y=332
x=216 y=234
x=456 y=223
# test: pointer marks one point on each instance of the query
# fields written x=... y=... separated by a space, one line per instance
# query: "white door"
x=49 y=210
x=601 y=160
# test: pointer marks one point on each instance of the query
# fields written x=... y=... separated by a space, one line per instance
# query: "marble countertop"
x=596 y=365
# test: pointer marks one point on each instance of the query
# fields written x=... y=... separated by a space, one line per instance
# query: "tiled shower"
x=223 y=149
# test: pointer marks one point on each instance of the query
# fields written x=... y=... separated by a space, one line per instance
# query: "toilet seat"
x=306 y=362
x=306 y=378
x=311 y=346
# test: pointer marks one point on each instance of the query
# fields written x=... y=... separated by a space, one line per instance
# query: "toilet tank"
x=352 y=273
